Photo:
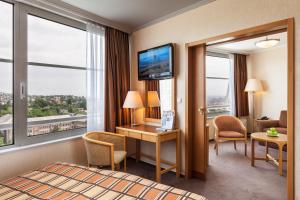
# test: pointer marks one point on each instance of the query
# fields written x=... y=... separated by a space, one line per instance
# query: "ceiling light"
x=267 y=43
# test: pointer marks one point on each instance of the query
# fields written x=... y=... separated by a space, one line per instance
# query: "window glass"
x=218 y=91
x=56 y=94
x=54 y=43
x=6 y=74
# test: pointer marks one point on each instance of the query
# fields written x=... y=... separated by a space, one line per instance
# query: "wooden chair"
x=229 y=128
x=105 y=149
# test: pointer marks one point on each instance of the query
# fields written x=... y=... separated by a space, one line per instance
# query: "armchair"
x=280 y=125
x=105 y=149
x=229 y=128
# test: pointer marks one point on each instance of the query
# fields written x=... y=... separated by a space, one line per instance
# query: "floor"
x=229 y=177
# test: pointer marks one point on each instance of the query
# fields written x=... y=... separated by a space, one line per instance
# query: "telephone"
x=264 y=118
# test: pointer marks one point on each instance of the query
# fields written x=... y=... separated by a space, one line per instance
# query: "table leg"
x=178 y=155
x=158 y=169
x=138 y=150
x=280 y=147
x=252 y=151
x=267 y=151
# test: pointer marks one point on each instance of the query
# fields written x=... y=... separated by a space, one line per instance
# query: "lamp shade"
x=133 y=100
x=153 y=99
x=253 y=85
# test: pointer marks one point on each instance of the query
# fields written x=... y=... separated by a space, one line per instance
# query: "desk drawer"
x=149 y=138
x=135 y=135
x=122 y=132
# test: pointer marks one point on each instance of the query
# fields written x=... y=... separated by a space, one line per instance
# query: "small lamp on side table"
x=133 y=101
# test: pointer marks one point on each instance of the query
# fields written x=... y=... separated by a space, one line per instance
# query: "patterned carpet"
x=230 y=176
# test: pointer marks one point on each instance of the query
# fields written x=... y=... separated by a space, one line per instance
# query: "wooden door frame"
x=286 y=25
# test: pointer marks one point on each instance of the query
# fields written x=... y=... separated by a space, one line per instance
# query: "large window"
x=43 y=84
x=56 y=77
x=6 y=73
x=218 y=85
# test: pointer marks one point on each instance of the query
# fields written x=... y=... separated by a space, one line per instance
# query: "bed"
x=74 y=182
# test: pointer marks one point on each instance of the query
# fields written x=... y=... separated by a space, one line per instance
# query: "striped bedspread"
x=74 y=182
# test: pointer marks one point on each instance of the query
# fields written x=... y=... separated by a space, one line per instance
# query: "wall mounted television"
x=156 y=63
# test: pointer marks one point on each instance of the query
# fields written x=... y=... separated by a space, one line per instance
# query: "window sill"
x=18 y=148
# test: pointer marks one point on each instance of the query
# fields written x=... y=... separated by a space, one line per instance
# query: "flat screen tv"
x=156 y=63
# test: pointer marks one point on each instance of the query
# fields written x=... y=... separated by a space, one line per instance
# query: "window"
x=56 y=99
x=218 y=85
x=6 y=74
x=43 y=76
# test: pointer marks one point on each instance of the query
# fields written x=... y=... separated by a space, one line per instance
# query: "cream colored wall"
x=218 y=17
x=21 y=161
x=271 y=68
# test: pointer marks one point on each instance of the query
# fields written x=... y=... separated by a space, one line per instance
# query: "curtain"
x=117 y=78
x=240 y=81
x=152 y=85
x=231 y=86
x=95 y=78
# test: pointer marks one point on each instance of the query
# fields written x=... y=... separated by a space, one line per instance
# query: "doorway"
x=196 y=137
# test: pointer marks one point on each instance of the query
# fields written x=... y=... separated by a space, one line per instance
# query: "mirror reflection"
x=158 y=97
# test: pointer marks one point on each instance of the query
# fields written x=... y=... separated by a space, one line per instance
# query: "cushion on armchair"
x=283 y=119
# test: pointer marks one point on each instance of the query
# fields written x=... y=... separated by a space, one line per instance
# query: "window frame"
x=20 y=71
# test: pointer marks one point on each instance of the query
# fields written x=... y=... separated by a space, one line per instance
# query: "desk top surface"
x=146 y=128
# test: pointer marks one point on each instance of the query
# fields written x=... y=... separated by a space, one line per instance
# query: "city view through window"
x=56 y=76
x=218 y=92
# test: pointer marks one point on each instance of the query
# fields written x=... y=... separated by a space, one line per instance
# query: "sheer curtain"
x=95 y=77
x=231 y=85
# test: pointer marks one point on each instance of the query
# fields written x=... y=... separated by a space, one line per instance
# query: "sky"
x=48 y=42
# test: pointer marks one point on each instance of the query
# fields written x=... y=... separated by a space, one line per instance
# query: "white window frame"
x=20 y=68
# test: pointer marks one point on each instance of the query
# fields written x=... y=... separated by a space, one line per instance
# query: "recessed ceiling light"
x=267 y=43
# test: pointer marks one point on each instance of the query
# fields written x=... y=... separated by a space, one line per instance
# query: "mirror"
x=159 y=97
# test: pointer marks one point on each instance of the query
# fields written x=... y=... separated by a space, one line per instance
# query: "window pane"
x=54 y=43
x=217 y=67
x=6 y=74
x=56 y=99
x=56 y=95
x=218 y=98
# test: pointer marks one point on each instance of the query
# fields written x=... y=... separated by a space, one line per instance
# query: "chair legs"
x=245 y=147
x=217 y=147
x=234 y=143
x=125 y=168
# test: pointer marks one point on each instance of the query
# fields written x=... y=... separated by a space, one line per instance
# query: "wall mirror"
x=159 y=97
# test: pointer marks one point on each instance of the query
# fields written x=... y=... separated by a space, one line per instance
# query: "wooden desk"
x=281 y=140
x=150 y=134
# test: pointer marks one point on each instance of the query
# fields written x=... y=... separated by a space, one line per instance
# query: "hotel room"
x=140 y=99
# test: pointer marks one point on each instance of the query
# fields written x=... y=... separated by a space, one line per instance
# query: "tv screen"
x=156 y=63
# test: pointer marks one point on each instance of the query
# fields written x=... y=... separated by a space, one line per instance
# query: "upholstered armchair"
x=229 y=128
x=105 y=149
x=280 y=125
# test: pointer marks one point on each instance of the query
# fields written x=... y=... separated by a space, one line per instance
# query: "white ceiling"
x=248 y=46
x=135 y=13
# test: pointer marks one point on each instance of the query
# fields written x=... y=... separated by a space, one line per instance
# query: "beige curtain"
x=240 y=81
x=117 y=78
x=152 y=85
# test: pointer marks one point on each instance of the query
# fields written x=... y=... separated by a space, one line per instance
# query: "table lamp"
x=153 y=99
x=133 y=101
x=252 y=86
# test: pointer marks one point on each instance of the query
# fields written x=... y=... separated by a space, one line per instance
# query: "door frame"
x=286 y=25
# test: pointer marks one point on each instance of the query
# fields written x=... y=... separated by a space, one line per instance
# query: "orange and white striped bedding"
x=74 y=182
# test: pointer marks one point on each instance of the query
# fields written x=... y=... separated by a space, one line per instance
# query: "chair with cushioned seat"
x=229 y=128
x=105 y=149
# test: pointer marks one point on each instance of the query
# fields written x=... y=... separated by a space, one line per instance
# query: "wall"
x=218 y=17
x=270 y=67
x=21 y=161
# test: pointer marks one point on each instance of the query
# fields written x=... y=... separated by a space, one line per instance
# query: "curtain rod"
x=70 y=11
